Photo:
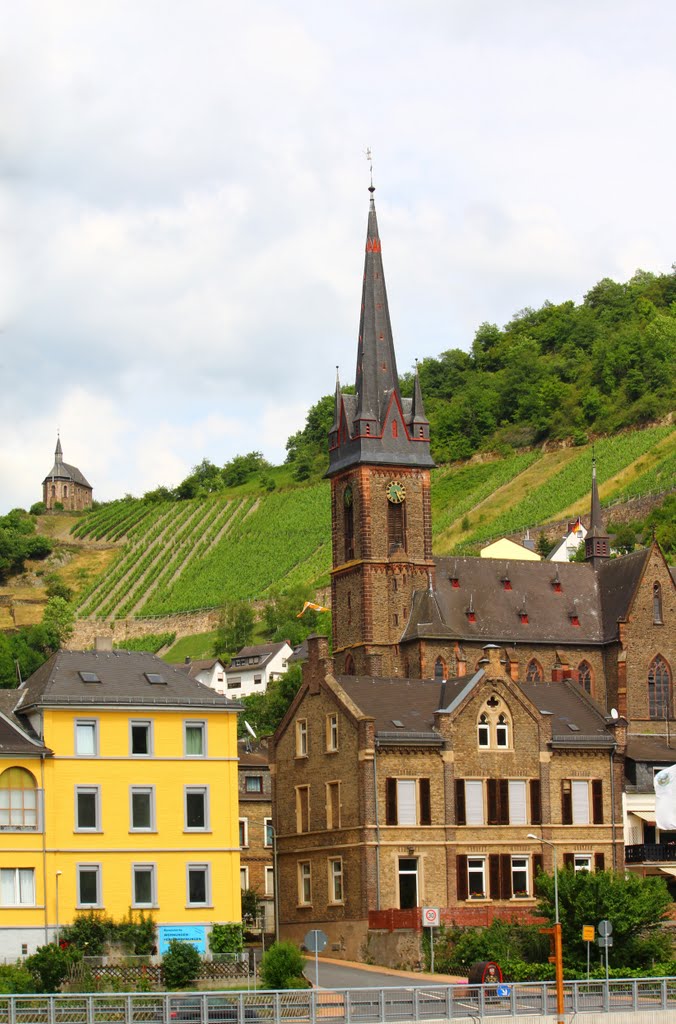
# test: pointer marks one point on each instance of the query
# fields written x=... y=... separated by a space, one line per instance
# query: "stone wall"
x=183 y=624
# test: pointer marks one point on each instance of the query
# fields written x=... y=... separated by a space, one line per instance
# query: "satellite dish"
x=249 y=729
x=614 y=713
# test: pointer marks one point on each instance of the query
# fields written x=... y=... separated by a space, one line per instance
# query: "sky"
x=183 y=204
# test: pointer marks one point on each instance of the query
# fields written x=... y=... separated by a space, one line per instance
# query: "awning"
x=668 y=871
x=647 y=816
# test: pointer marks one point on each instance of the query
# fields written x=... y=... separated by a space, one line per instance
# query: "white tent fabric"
x=665 y=799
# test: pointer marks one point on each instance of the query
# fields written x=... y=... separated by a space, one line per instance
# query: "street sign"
x=605 y=928
x=604 y=941
x=315 y=940
x=431 y=917
x=503 y=991
x=588 y=933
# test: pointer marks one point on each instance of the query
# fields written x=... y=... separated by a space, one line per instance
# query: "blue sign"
x=503 y=991
x=196 y=935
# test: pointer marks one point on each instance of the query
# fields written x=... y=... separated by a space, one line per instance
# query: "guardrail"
x=341 y=1006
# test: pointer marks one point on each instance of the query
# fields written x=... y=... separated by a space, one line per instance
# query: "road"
x=336 y=974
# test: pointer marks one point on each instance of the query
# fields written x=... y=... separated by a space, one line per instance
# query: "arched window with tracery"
x=484 y=731
x=348 y=520
x=350 y=669
x=440 y=669
x=502 y=731
x=659 y=687
x=585 y=676
x=18 y=799
x=534 y=672
x=657 y=604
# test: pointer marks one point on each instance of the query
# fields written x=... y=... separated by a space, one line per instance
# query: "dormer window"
x=455 y=582
x=395 y=429
x=471 y=615
x=556 y=583
x=506 y=583
x=523 y=617
x=574 y=619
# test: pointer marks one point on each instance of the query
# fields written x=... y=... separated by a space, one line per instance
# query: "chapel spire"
x=596 y=543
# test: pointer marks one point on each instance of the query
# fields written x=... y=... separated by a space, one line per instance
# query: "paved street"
x=339 y=974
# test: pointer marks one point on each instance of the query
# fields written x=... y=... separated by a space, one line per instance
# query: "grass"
x=198 y=646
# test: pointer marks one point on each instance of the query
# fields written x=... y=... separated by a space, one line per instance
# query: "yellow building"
x=118 y=789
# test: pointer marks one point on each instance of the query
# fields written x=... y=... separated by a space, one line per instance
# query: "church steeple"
x=380 y=426
x=58 y=451
x=597 y=542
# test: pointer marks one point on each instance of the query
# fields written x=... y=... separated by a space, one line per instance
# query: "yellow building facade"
x=118 y=790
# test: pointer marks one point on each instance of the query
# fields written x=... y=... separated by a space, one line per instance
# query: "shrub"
x=58 y=506
x=226 y=938
x=89 y=932
x=180 y=964
x=50 y=965
x=38 y=508
x=282 y=966
x=14 y=978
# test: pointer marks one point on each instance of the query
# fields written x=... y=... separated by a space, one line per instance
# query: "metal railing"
x=638 y=853
x=341 y=1006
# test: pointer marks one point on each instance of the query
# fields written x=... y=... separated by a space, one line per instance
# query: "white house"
x=253 y=668
x=209 y=671
x=567 y=547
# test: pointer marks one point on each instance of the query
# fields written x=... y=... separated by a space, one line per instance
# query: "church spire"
x=58 y=451
x=596 y=543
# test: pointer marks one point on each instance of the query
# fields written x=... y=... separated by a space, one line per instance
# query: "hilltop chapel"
x=478 y=720
x=66 y=484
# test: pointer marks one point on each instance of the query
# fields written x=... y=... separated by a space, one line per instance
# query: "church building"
x=66 y=485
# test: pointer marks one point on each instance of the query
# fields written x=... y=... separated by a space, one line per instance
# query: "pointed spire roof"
x=62 y=471
x=597 y=542
x=58 y=451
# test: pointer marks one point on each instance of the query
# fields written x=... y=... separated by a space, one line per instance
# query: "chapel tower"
x=379 y=467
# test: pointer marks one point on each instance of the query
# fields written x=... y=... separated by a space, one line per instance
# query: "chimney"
x=103 y=643
x=318 y=664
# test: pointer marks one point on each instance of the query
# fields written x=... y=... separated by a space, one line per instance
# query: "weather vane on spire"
x=369 y=157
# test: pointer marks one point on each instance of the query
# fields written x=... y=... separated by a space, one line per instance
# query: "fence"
x=342 y=1006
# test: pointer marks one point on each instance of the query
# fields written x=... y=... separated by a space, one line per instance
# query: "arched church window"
x=53 y=491
x=534 y=673
x=396 y=526
x=502 y=731
x=484 y=731
x=349 y=666
x=657 y=604
x=65 y=490
x=659 y=686
x=348 y=522
x=584 y=676
x=18 y=799
x=440 y=670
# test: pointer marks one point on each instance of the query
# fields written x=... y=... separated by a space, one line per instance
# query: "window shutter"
x=494 y=875
x=597 y=801
x=537 y=865
x=407 y=790
x=599 y=862
x=505 y=876
x=535 y=802
x=580 y=789
x=391 y=801
x=503 y=802
x=517 y=802
x=460 y=815
x=425 y=808
x=461 y=872
x=569 y=860
x=493 y=802
x=566 y=803
x=474 y=800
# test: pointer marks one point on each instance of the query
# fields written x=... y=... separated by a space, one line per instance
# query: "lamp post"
x=555 y=931
x=58 y=875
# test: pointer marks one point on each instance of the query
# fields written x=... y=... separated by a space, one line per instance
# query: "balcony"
x=641 y=853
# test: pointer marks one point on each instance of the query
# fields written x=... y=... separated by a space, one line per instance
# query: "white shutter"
x=406 y=810
x=517 y=802
x=474 y=802
x=580 y=802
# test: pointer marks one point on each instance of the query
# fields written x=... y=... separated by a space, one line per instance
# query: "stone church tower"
x=66 y=484
x=379 y=467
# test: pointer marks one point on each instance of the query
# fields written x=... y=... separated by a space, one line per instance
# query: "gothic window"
x=348 y=506
x=349 y=665
x=484 y=731
x=440 y=669
x=534 y=673
x=502 y=732
x=396 y=526
x=657 y=604
x=659 y=685
x=584 y=676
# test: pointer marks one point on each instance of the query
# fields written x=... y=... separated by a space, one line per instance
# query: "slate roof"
x=16 y=737
x=123 y=680
x=253 y=754
x=651 y=748
x=388 y=700
x=264 y=652
x=63 y=471
x=568 y=705
x=618 y=579
x=192 y=668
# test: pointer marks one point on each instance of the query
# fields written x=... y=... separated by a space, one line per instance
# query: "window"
x=144 y=890
x=476 y=877
x=350 y=669
x=333 y=805
x=196 y=808
x=258 y=679
x=582 y=862
x=517 y=802
x=474 y=802
x=195 y=744
x=87 y=816
x=440 y=670
x=582 y=801
x=502 y=732
x=301 y=738
x=408 y=802
x=396 y=526
x=199 y=885
x=17 y=887
x=484 y=731
x=336 y=880
x=534 y=672
x=584 y=676
x=86 y=737
x=244 y=877
x=18 y=800
x=520 y=876
x=253 y=784
x=659 y=684
x=408 y=882
x=268 y=832
x=142 y=815
x=140 y=739
x=302 y=808
x=348 y=509
x=304 y=883
x=243 y=832
x=235 y=683
x=657 y=604
x=89 y=885
x=269 y=880
x=332 y=733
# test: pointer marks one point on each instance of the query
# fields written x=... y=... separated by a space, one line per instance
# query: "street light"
x=58 y=875
x=555 y=931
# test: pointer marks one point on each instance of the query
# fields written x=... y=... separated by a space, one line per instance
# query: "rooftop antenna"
x=369 y=157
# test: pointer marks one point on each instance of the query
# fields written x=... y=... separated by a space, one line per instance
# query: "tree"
x=282 y=966
x=50 y=966
x=264 y=711
x=58 y=621
x=544 y=545
x=180 y=964
x=281 y=616
x=227 y=938
x=634 y=905
x=235 y=627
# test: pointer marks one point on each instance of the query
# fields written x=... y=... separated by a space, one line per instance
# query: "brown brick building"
x=255 y=826
x=66 y=484
x=489 y=699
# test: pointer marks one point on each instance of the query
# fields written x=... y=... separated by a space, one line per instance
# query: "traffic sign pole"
x=430 y=916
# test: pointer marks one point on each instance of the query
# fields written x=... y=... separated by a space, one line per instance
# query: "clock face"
x=396 y=492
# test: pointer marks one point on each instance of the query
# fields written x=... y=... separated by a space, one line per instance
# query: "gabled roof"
x=62 y=471
x=123 y=679
x=193 y=667
x=618 y=580
x=16 y=737
x=412 y=702
x=264 y=652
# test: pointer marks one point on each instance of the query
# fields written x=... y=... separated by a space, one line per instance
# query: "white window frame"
x=150 y=869
x=244 y=876
x=483 y=734
x=243 y=833
x=475 y=811
x=582 y=862
x=304 y=883
x=93 y=869
x=148 y=723
x=519 y=864
x=502 y=730
x=94 y=791
x=12 y=876
x=269 y=880
x=193 y=723
x=336 y=881
x=141 y=790
x=92 y=723
x=407 y=802
x=332 y=733
x=580 y=805
x=205 y=868
x=268 y=832
x=192 y=791
x=476 y=866
x=301 y=738
x=518 y=797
